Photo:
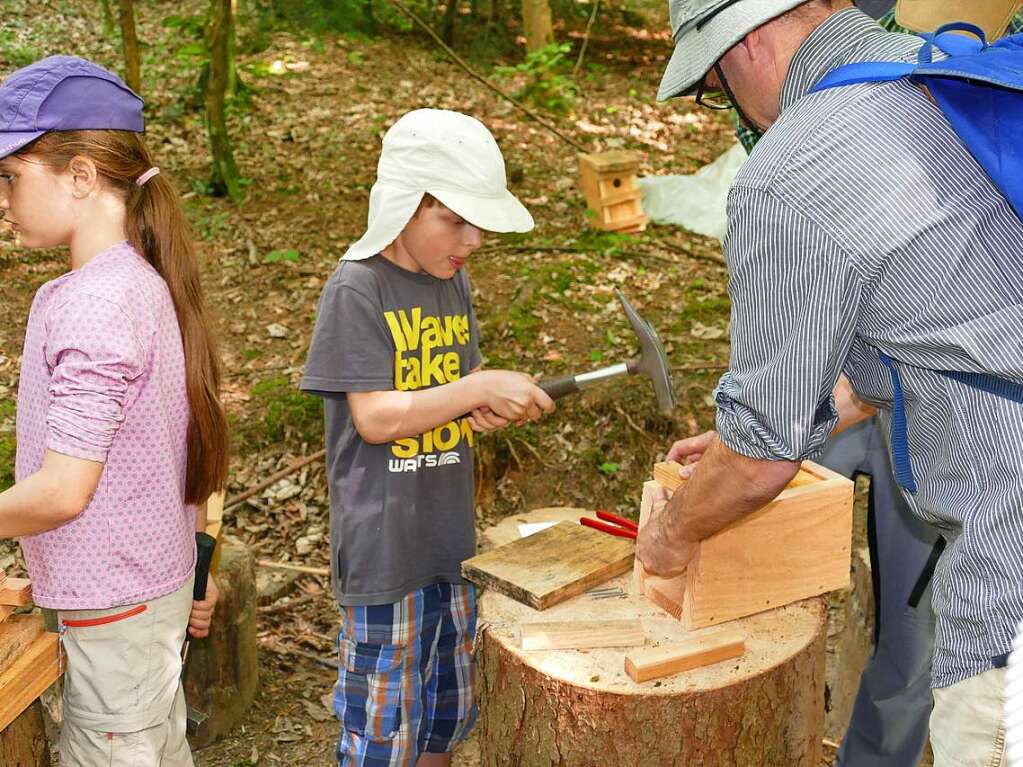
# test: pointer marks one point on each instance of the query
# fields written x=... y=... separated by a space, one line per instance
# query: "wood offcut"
x=710 y=647
x=579 y=635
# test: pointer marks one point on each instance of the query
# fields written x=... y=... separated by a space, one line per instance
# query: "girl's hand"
x=484 y=419
x=202 y=611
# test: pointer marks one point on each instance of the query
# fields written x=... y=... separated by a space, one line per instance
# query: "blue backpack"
x=979 y=89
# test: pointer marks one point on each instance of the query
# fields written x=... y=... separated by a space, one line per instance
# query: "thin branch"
x=480 y=78
x=586 y=40
x=274 y=478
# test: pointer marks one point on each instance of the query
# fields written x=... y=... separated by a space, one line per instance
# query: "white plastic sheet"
x=696 y=202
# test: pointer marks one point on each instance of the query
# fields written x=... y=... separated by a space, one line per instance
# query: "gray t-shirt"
x=401 y=513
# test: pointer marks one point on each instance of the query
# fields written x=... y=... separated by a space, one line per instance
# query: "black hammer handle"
x=204 y=545
x=560 y=386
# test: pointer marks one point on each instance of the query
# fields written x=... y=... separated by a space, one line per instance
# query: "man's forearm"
x=724 y=487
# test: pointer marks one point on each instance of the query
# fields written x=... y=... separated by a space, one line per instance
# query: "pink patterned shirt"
x=103 y=378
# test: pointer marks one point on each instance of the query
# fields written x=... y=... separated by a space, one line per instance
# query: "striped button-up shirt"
x=861 y=224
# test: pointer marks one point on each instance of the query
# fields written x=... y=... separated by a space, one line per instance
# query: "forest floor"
x=306 y=138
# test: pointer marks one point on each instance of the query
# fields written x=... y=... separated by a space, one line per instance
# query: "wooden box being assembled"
x=797 y=546
x=612 y=193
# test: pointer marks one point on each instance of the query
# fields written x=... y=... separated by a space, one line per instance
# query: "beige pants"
x=123 y=701
x=966 y=723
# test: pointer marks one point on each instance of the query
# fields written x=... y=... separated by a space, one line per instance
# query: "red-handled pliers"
x=623 y=528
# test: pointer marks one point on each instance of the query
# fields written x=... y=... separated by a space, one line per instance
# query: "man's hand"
x=202 y=611
x=655 y=550
x=690 y=450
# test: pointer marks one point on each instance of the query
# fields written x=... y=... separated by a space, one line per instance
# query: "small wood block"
x=552 y=565
x=29 y=676
x=16 y=592
x=577 y=635
x=17 y=635
x=710 y=647
x=5 y=611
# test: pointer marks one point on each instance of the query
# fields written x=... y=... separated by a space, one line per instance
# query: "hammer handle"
x=204 y=545
x=560 y=386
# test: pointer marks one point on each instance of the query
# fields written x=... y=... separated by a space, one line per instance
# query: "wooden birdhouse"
x=612 y=193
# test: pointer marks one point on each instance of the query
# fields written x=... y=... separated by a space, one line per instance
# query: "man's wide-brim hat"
x=704 y=31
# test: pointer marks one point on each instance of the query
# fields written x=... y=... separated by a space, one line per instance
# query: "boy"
x=395 y=354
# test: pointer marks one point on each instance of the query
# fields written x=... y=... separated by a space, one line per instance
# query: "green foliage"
x=287 y=413
x=548 y=80
x=276 y=256
x=608 y=467
x=7 y=444
x=15 y=52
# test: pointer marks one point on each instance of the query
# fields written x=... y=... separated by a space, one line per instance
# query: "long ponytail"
x=157 y=228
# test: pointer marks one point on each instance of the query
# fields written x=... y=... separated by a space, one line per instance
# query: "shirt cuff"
x=317 y=384
x=743 y=431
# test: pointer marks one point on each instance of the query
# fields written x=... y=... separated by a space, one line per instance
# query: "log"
x=23 y=741
x=568 y=708
x=222 y=674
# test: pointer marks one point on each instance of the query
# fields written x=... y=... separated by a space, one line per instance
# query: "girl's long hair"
x=157 y=228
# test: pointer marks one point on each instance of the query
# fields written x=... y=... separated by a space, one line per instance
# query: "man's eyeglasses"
x=715 y=98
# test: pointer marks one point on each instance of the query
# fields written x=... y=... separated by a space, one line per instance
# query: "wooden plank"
x=666 y=660
x=28 y=677
x=797 y=546
x=666 y=475
x=16 y=592
x=5 y=611
x=17 y=635
x=577 y=635
x=552 y=565
x=666 y=593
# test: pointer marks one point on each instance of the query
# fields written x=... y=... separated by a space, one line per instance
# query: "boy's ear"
x=84 y=176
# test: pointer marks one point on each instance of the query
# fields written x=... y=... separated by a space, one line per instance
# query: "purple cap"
x=64 y=93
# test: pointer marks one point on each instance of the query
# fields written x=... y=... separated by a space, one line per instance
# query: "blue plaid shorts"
x=405 y=677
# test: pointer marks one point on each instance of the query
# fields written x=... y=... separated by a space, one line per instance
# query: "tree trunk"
x=222 y=675
x=447 y=24
x=568 y=708
x=224 y=176
x=536 y=24
x=23 y=741
x=108 y=17
x=130 y=44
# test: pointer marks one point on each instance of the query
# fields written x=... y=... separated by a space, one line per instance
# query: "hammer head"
x=652 y=362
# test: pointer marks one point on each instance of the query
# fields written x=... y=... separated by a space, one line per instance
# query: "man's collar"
x=832 y=44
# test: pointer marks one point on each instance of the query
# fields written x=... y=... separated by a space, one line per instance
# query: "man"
x=863 y=239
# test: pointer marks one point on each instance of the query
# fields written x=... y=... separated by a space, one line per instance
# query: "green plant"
x=287 y=413
x=276 y=256
x=7 y=444
x=548 y=82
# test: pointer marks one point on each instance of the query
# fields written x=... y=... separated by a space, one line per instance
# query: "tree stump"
x=23 y=741
x=578 y=708
x=223 y=671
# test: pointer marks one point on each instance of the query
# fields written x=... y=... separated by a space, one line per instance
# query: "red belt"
x=105 y=619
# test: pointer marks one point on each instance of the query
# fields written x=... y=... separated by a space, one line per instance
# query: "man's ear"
x=753 y=45
x=83 y=175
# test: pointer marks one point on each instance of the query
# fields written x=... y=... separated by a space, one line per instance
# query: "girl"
x=121 y=437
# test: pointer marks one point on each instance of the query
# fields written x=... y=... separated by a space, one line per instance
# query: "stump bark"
x=23 y=741
x=569 y=708
x=223 y=669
